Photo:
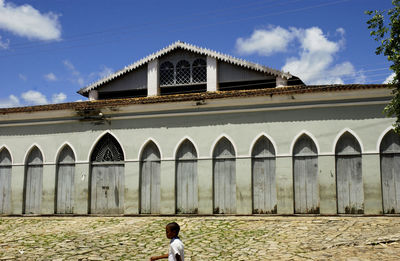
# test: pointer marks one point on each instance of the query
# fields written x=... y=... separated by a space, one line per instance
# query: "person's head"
x=172 y=230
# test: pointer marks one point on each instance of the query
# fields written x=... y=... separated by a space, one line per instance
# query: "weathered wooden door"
x=5 y=182
x=224 y=172
x=350 y=193
x=390 y=171
x=65 y=181
x=107 y=177
x=150 y=180
x=186 y=179
x=33 y=182
x=263 y=178
x=305 y=170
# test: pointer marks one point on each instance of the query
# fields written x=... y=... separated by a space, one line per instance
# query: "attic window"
x=199 y=71
x=183 y=72
x=167 y=73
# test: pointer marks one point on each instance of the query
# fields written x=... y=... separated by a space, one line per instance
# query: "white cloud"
x=34 y=98
x=59 y=97
x=389 y=79
x=4 y=44
x=106 y=71
x=26 y=21
x=11 y=101
x=315 y=63
x=22 y=77
x=76 y=75
x=265 y=42
x=51 y=77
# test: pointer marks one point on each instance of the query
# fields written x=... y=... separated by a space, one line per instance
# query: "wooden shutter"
x=390 y=172
x=5 y=181
x=305 y=170
x=263 y=177
x=33 y=182
x=150 y=180
x=65 y=181
x=107 y=177
x=186 y=179
x=224 y=172
x=349 y=181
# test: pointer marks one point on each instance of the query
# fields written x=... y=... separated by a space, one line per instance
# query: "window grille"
x=107 y=149
x=199 y=71
x=166 y=73
x=183 y=72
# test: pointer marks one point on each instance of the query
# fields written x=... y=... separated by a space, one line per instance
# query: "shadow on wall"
x=299 y=115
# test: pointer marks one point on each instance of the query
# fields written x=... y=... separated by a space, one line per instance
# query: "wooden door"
x=65 y=181
x=5 y=182
x=224 y=172
x=263 y=177
x=350 y=193
x=390 y=172
x=107 y=177
x=150 y=194
x=186 y=179
x=33 y=182
x=305 y=170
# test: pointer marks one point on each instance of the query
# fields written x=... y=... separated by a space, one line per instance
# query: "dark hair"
x=174 y=227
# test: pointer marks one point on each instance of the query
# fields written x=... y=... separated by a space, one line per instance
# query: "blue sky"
x=49 y=49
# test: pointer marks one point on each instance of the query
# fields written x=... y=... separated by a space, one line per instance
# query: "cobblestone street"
x=205 y=238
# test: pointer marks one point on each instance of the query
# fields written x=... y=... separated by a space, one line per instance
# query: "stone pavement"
x=205 y=238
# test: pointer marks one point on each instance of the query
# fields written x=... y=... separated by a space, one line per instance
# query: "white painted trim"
x=151 y=139
x=309 y=134
x=27 y=152
x=180 y=143
x=223 y=135
x=61 y=148
x=4 y=146
x=99 y=138
x=253 y=143
x=383 y=134
x=343 y=131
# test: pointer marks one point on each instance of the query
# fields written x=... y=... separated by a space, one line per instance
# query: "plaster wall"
x=283 y=127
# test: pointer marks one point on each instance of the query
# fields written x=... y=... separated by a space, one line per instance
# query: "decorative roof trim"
x=192 y=48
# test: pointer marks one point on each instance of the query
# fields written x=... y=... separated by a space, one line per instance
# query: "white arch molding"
x=151 y=139
x=4 y=146
x=99 y=138
x=309 y=134
x=223 y=135
x=180 y=143
x=263 y=134
x=29 y=151
x=340 y=134
x=383 y=134
x=62 y=147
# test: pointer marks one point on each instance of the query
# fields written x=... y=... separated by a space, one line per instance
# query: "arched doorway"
x=33 y=182
x=5 y=181
x=65 y=181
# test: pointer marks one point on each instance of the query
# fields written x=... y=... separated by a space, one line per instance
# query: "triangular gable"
x=192 y=48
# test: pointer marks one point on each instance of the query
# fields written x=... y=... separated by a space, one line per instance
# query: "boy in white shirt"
x=175 y=252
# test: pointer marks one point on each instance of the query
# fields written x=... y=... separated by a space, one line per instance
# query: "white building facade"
x=190 y=131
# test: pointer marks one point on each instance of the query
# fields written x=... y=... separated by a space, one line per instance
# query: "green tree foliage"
x=385 y=28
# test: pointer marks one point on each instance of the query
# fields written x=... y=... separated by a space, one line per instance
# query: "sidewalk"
x=205 y=238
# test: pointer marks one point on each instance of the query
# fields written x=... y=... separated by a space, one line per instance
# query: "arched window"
x=107 y=177
x=350 y=194
x=224 y=175
x=263 y=177
x=65 y=181
x=390 y=172
x=183 y=72
x=5 y=181
x=33 y=182
x=186 y=179
x=199 y=71
x=167 y=73
x=305 y=170
x=150 y=179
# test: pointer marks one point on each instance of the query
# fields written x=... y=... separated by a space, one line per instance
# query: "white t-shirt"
x=175 y=247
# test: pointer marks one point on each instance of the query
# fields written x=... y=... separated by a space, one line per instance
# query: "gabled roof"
x=191 y=48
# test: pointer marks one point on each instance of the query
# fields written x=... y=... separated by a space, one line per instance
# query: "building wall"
x=282 y=127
